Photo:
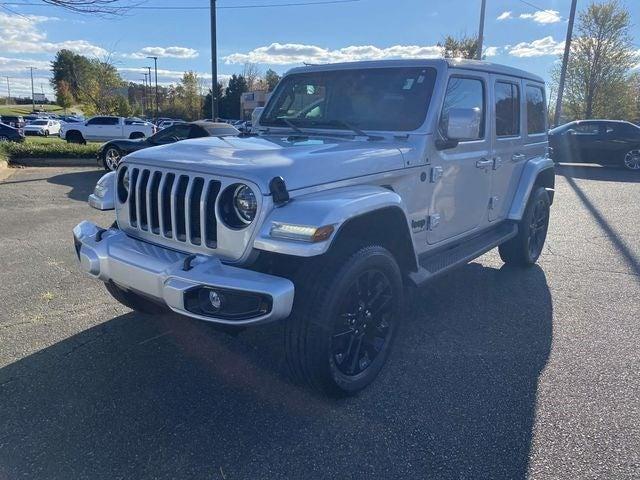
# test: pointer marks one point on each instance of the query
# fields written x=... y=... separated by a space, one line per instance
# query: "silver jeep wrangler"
x=364 y=178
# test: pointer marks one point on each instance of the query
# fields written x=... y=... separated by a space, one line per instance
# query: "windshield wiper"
x=291 y=124
x=356 y=130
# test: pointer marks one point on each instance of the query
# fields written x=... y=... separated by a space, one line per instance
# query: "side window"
x=536 y=114
x=95 y=121
x=588 y=128
x=463 y=93
x=111 y=121
x=507 y=109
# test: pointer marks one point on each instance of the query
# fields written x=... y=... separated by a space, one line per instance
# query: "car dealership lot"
x=497 y=373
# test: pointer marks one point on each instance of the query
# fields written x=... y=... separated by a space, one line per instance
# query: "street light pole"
x=150 y=98
x=144 y=95
x=214 y=63
x=483 y=7
x=33 y=100
x=8 y=92
x=155 y=62
x=565 y=62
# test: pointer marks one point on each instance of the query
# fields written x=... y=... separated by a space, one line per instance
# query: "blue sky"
x=526 y=34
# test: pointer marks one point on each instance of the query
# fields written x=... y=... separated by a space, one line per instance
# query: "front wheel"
x=111 y=159
x=525 y=248
x=632 y=160
x=345 y=318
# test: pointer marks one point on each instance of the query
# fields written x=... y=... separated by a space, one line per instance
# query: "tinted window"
x=173 y=134
x=591 y=128
x=536 y=115
x=371 y=99
x=96 y=121
x=465 y=93
x=507 y=109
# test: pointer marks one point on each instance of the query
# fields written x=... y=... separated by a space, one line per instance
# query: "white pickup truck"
x=104 y=128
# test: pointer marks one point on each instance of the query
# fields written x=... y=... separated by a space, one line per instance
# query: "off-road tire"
x=321 y=290
x=525 y=248
x=134 y=301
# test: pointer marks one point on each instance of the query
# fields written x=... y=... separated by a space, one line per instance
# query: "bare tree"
x=93 y=6
x=252 y=75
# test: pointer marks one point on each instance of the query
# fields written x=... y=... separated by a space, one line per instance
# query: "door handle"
x=484 y=163
x=517 y=157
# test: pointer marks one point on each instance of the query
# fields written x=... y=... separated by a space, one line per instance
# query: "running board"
x=432 y=264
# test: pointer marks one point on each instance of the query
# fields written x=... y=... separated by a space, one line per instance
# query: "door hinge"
x=493 y=202
x=433 y=221
x=436 y=173
x=497 y=163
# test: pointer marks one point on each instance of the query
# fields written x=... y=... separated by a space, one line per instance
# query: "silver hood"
x=301 y=161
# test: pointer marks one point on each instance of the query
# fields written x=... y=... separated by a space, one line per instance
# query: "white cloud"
x=504 y=16
x=165 y=77
x=543 y=16
x=21 y=34
x=537 y=48
x=491 y=51
x=168 y=52
x=292 y=53
x=20 y=65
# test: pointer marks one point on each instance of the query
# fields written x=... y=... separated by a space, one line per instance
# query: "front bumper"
x=158 y=273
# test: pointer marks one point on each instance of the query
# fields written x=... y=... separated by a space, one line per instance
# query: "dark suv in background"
x=15 y=121
x=607 y=142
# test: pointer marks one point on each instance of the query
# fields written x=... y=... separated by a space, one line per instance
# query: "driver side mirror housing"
x=461 y=124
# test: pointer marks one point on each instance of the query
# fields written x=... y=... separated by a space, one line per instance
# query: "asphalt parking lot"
x=497 y=372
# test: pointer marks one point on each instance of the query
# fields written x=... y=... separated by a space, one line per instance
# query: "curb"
x=56 y=162
x=5 y=170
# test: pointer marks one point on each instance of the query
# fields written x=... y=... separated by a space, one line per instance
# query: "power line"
x=225 y=7
x=533 y=6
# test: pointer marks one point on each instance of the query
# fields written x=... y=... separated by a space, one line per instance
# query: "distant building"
x=251 y=100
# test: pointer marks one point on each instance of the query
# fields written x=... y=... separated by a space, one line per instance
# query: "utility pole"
x=8 y=92
x=33 y=101
x=155 y=62
x=565 y=62
x=483 y=7
x=214 y=63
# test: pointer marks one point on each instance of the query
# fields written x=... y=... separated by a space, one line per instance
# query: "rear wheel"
x=345 y=318
x=46 y=133
x=632 y=160
x=526 y=246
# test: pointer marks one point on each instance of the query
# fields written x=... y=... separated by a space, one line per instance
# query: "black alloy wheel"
x=365 y=324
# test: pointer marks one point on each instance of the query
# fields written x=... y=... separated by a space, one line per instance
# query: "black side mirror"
x=446 y=143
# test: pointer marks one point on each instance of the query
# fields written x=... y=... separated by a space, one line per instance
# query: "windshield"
x=394 y=99
x=39 y=122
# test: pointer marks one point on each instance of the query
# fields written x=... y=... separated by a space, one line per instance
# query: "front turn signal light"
x=301 y=233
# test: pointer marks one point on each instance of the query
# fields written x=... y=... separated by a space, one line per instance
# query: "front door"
x=462 y=175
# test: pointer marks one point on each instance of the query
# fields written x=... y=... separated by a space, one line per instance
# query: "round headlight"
x=125 y=180
x=245 y=204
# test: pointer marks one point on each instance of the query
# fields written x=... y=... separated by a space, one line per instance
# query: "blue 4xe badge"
x=418 y=225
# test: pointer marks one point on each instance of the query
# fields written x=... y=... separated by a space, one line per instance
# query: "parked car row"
x=10 y=134
x=112 y=152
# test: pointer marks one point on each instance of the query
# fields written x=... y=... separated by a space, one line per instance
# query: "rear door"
x=462 y=175
x=507 y=150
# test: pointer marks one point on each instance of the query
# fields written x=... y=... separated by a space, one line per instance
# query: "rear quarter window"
x=536 y=111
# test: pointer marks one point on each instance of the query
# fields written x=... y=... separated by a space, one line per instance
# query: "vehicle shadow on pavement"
x=626 y=253
x=81 y=183
x=597 y=172
x=168 y=397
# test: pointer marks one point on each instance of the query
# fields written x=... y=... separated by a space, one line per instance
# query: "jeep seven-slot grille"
x=173 y=205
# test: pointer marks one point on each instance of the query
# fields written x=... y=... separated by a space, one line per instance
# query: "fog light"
x=215 y=299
